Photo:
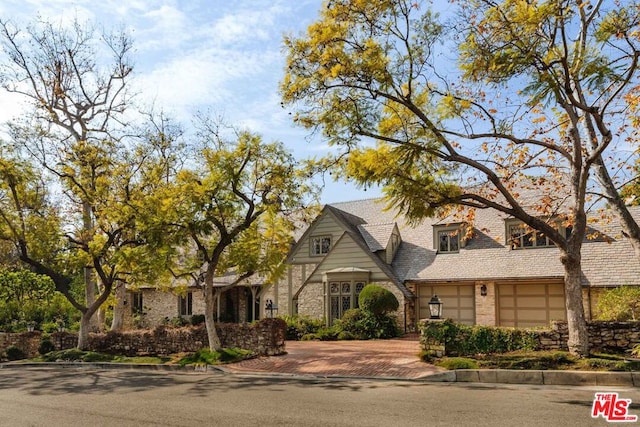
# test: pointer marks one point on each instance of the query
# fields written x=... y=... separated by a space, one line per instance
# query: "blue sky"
x=220 y=56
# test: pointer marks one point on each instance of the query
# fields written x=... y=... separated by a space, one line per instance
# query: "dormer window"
x=448 y=240
x=523 y=237
x=320 y=245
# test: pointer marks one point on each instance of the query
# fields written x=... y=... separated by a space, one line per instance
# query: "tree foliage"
x=231 y=215
x=622 y=303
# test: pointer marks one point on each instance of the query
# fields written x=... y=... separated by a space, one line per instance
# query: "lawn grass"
x=539 y=360
x=203 y=356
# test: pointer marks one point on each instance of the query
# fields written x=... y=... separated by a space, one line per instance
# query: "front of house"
x=499 y=274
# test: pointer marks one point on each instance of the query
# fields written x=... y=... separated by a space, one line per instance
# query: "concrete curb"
x=483 y=376
x=538 y=377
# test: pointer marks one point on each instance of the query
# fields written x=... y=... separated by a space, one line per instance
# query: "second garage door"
x=530 y=305
x=458 y=302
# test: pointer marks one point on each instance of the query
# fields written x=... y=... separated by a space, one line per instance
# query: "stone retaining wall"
x=265 y=337
x=603 y=336
x=612 y=337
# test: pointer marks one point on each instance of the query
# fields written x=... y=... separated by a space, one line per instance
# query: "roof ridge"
x=355 y=200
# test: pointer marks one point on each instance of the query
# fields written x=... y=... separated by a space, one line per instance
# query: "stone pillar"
x=485 y=305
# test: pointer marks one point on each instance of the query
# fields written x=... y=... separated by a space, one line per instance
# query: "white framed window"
x=185 y=304
x=320 y=245
x=448 y=240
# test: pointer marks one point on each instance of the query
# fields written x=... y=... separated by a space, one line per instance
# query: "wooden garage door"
x=458 y=302
x=530 y=305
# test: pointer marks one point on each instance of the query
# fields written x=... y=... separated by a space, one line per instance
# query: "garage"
x=458 y=302
x=530 y=304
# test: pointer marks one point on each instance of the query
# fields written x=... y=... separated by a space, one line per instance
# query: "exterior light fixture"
x=435 y=307
x=483 y=290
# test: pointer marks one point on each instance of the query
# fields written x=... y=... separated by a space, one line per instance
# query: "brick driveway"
x=396 y=358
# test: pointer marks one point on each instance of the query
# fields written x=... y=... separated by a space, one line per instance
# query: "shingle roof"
x=376 y=235
x=486 y=255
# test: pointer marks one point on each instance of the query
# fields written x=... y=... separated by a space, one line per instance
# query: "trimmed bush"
x=197 y=319
x=299 y=326
x=377 y=300
x=365 y=325
x=461 y=340
x=46 y=346
x=14 y=353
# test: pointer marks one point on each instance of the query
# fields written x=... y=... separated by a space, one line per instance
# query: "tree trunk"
x=209 y=318
x=83 y=333
x=617 y=204
x=119 y=309
x=90 y=286
x=578 y=335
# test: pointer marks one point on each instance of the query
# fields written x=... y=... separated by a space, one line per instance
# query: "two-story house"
x=500 y=274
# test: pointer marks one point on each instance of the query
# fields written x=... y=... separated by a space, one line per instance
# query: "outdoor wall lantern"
x=435 y=307
x=483 y=290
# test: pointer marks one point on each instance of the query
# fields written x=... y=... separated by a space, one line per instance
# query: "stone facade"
x=266 y=337
x=485 y=305
x=311 y=301
x=160 y=307
x=283 y=293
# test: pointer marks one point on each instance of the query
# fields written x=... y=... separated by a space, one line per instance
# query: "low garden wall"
x=443 y=337
x=265 y=337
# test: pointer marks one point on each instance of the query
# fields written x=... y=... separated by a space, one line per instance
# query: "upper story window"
x=448 y=240
x=521 y=236
x=320 y=245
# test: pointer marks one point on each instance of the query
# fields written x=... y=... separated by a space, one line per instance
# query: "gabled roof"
x=345 y=219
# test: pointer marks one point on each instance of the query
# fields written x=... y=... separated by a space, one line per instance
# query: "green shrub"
x=452 y=363
x=46 y=346
x=365 y=325
x=622 y=303
x=346 y=336
x=205 y=356
x=309 y=337
x=72 y=354
x=14 y=353
x=197 y=319
x=460 y=340
x=298 y=326
x=377 y=300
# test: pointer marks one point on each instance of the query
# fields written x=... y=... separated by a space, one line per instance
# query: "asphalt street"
x=82 y=396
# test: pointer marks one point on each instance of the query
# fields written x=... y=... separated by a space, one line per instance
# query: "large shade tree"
x=231 y=213
x=75 y=80
x=503 y=100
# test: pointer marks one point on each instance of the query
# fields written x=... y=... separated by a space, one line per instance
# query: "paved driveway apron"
x=397 y=358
